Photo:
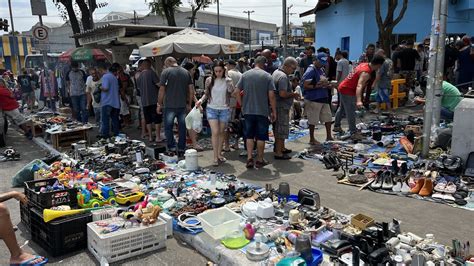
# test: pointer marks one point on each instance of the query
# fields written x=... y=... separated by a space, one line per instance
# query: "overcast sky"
x=265 y=10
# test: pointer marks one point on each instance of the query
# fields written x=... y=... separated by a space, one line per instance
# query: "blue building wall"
x=338 y=21
x=356 y=19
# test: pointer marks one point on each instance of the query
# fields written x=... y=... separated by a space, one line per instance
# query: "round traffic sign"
x=40 y=33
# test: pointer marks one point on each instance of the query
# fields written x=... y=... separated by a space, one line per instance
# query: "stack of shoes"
x=463 y=197
x=445 y=190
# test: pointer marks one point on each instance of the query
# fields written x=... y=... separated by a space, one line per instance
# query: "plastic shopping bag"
x=194 y=120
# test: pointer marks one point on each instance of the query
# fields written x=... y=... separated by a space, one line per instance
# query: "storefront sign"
x=94 y=38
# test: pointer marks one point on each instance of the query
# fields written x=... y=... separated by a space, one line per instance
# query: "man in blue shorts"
x=258 y=91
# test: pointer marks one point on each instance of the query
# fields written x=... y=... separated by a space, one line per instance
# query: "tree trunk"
x=72 y=19
x=385 y=40
x=169 y=13
x=193 y=17
x=85 y=15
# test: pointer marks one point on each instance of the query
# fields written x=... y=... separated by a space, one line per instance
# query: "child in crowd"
x=297 y=109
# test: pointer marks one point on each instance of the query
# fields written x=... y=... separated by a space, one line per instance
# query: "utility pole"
x=288 y=31
x=11 y=16
x=285 y=30
x=218 y=21
x=440 y=62
x=248 y=12
x=428 y=115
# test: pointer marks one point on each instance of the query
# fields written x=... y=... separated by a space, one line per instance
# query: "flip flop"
x=29 y=262
x=250 y=163
x=222 y=160
x=261 y=164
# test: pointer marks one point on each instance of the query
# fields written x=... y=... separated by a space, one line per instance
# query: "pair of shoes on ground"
x=385 y=180
x=445 y=190
x=331 y=161
x=402 y=169
x=219 y=161
x=423 y=187
x=257 y=164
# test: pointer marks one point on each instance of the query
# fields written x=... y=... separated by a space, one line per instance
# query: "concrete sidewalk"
x=419 y=217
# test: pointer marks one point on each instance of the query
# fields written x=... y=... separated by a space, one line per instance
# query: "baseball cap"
x=231 y=62
x=323 y=58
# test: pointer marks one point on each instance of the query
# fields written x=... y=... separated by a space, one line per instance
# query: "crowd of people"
x=253 y=93
x=250 y=94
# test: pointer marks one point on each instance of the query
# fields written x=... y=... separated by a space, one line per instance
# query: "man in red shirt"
x=351 y=90
x=9 y=107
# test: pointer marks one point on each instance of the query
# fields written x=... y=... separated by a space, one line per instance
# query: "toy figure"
x=148 y=215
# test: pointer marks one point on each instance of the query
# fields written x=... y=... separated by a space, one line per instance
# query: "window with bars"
x=239 y=34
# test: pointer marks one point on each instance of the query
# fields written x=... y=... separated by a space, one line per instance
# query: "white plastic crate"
x=219 y=222
x=169 y=223
x=125 y=243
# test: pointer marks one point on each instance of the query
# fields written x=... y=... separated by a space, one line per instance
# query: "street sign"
x=40 y=33
x=38 y=8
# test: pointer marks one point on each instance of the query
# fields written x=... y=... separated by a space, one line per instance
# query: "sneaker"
x=387 y=181
x=377 y=183
x=337 y=129
x=397 y=187
x=405 y=188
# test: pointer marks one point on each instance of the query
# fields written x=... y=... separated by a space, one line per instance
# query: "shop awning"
x=190 y=41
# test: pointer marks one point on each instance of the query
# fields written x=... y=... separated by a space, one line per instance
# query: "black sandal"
x=250 y=163
x=261 y=164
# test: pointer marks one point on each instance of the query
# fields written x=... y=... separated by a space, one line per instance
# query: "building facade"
x=230 y=27
x=13 y=50
x=351 y=25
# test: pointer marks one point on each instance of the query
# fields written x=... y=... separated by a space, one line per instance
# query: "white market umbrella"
x=190 y=41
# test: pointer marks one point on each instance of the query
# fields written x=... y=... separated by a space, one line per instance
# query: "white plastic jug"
x=191 y=156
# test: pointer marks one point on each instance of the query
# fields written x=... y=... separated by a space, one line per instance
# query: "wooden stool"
x=396 y=95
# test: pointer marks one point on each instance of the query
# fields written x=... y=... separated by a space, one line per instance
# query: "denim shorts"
x=256 y=127
x=222 y=115
x=382 y=95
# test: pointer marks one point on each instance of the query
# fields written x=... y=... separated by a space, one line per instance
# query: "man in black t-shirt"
x=308 y=60
x=406 y=59
x=26 y=85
